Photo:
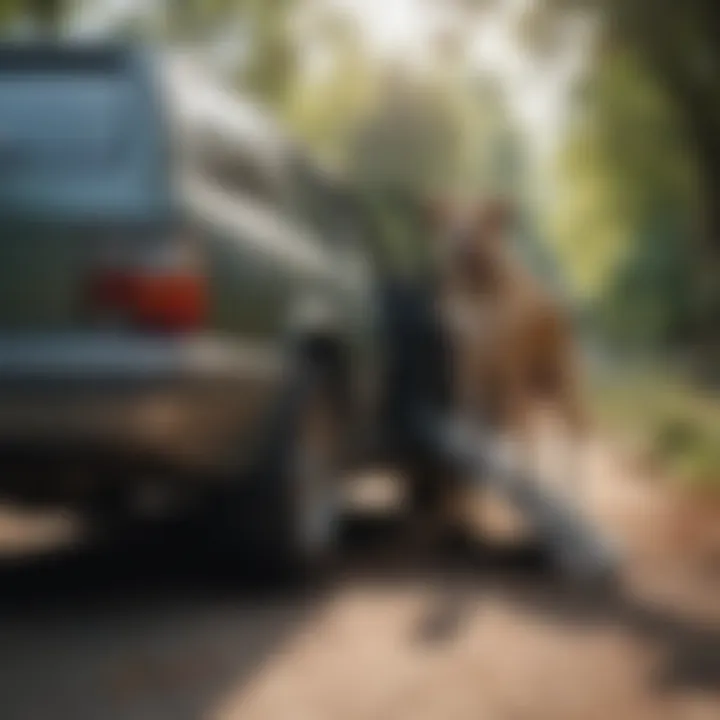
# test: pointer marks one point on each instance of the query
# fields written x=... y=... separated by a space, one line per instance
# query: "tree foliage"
x=9 y=9
x=638 y=223
x=47 y=13
x=675 y=44
x=626 y=217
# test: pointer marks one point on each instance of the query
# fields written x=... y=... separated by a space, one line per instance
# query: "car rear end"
x=107 y=368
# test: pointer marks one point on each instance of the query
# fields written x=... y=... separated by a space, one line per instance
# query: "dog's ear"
x=496 y=217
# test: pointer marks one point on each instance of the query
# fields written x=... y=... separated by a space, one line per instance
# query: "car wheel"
x=296 y=509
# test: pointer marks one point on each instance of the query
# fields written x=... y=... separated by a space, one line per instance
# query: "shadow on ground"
x=160 y=624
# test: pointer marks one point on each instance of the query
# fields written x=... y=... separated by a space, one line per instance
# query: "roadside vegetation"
x=665 y=419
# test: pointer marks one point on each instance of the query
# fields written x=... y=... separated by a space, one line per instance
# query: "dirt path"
x=162 y=628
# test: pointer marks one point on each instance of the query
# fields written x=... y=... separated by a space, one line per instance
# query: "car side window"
x=231 y=167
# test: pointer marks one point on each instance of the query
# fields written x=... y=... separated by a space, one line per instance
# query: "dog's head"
x=472 y=241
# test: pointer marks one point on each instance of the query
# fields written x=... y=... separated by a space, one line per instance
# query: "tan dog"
x=511 y=344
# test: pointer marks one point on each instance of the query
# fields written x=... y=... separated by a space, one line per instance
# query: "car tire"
x=295 y=508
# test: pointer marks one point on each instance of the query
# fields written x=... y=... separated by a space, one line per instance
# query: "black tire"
x=295 y=505
x=109 y=515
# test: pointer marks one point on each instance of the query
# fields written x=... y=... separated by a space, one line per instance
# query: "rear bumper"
x=172 y=403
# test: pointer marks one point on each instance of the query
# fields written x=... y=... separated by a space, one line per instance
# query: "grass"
x=667 y=418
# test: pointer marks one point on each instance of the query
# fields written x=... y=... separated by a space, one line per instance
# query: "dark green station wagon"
x=187 y=307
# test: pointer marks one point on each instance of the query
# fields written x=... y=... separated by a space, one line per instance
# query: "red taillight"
x=170 y=302
x=158 y=290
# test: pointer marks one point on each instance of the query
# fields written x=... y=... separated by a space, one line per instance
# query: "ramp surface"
x=579 y=549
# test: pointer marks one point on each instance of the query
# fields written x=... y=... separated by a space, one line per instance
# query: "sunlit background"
x=600 y=119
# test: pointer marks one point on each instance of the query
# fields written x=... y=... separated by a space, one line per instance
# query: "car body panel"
x=186 y=400
x=200 y=402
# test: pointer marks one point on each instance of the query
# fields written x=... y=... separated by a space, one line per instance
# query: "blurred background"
x=601 y=120
x=598 y=117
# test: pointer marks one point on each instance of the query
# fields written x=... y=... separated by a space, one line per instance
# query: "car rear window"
x=76 y=131
x=53 y=122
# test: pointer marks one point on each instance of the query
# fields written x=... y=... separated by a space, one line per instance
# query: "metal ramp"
x=578 y=549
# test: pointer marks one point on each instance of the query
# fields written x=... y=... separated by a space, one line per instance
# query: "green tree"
x=266 y=65
x=627 y=199
x=9 y=10
x=334 y=88
x=674 y=44
x=49 y=13
x=412 y=139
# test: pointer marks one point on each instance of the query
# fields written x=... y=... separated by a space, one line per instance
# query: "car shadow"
x=160 y=623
